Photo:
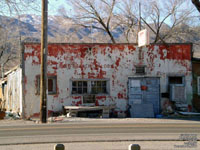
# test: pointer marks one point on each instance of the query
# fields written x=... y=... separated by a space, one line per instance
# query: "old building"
x=139 y=80
x=196 y=83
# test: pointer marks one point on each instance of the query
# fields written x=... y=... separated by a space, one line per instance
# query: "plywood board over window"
x=52 y=81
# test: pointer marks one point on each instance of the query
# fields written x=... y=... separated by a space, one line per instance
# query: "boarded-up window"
x=51 y=84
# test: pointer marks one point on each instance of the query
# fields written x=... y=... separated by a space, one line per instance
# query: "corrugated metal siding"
x=14 y=91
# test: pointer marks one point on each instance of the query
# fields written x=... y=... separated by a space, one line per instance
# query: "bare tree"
x=8 y=49
x=197 y=4
x=96 y=14
x=161 y=17
x=13 y=7
x=128 y=19
x=166 y=16
x=111 y=16
x=9 y=34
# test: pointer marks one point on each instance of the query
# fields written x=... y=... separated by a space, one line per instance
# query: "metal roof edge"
x=11 y=70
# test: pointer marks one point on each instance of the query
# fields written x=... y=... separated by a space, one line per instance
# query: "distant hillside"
x=60 y=29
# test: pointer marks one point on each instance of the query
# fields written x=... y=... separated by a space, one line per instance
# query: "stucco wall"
x=98 y=61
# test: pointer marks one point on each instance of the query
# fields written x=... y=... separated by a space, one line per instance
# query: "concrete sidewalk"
x=63 y=119
x=145 y=145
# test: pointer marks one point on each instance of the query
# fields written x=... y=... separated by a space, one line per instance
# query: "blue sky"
x=34 y=7
x=55 y=4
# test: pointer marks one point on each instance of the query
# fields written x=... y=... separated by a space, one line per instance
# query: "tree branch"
x=196 y=4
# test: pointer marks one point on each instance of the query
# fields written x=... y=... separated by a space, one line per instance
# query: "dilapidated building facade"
x=121 y=75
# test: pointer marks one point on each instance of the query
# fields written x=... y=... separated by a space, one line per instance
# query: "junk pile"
x=2 y=111
x=7 y=114
x=168 y=107
x=2 y=114
x=11 y=116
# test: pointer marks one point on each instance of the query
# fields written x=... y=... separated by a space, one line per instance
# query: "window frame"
x=54 y=78
x=97 y=87
x=89 y=87
x=139 y=68
x=77 y=86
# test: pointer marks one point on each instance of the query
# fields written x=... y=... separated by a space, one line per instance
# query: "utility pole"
x=139 y=29
x=140 y=17
x=44 y=52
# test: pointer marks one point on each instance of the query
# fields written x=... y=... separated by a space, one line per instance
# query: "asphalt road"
x=94 y=132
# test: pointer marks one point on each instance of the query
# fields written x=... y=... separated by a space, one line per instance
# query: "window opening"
x=51 y=84
x=98 y=87
x=140 y=70
x=79 y=87
x=89 y=87
x=176 y=80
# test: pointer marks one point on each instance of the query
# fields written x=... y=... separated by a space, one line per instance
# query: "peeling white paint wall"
x=102 y=61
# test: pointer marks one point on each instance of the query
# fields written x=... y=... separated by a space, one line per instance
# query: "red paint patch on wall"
x=37 y=115
x=175 y=52
x=101 y=97
x=25 y=79
x=76 y=97
x=120 y=96
x=97 y=103
x=117 y=62
x=91 y=75
x=31 y=51
x=101 y=74
x=62 y=65
x=77 y=103
x=131 y=47
x=82 y=69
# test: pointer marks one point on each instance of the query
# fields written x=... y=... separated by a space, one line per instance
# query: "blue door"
x=144 y=96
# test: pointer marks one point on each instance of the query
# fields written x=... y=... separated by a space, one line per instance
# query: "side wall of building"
x=13 y=91
x=113 y=63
